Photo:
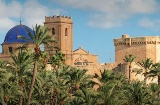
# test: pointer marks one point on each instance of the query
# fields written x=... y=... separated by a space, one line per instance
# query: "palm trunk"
x=33 y=80
x=77 y=86
x=145 y=77
x=56 y=96
x=20 y=100
x=129 y=72
x=52 y=102
x=62 y=102
x=6 y=99
x=158 y=79
x=20 y=97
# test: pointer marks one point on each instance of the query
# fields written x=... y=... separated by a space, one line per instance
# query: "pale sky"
x=96 y=22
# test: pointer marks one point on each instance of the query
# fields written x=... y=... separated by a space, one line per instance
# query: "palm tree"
x=76 y=101
x=77 y=79
x=56 y=84
x=154 y=88
x=57 y=60
x=9 y=88
x=147 y=65
x=105 y=76
x=137 y=93
x=40 y=36
x=85 y=96
x=43 y=60
x=41 y=89
x=129 y=59
x=155 y=71
x=20 y=64
x=107 y=93
x=110 y=92
x=3 y=64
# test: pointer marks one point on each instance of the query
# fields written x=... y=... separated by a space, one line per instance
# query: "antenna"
x=20 y=19
x=110 y=57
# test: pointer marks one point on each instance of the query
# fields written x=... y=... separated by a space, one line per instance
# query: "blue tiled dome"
x=13 y=33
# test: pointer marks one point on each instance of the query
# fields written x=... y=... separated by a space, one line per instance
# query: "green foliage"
x=129 y=58
x=70 y=86
x=110 y=89
x=155 y=70
x=9 y=88
x=146 y=64
x=40 y=36
x=138 y=93
x=57 y=60
x=3 y=64
x=85 y=97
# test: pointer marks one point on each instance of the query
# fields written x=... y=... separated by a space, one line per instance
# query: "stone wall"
x=92 y=69
x=137 y=50
x=124 y=68
x=141 y=47
x=120 y=68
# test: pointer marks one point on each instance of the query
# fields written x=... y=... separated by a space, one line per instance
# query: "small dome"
x=13 y=33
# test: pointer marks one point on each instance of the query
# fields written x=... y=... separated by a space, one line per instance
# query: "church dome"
x=13 y=33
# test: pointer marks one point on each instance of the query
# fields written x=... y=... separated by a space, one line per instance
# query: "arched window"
x=53 y=31
x=66 y=32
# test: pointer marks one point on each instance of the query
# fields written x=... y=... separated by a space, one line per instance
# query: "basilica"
x=61 y=29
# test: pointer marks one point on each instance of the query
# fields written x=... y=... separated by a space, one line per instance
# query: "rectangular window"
x=10 y=49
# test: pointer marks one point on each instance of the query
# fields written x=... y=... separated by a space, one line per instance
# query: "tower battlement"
x=141 y=47
x=60 y=18
x=126 y=40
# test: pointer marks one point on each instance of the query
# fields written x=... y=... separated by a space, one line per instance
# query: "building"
x=61 y=28
x=141 y=47
x=11 y=41
x=83 y=58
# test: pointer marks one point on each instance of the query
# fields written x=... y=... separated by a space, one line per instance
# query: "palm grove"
x=25 y=80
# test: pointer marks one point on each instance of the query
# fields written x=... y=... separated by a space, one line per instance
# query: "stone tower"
x=141 y=47
x=61 y=29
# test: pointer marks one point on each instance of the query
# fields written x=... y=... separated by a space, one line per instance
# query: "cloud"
x=102 y=13
x=104 y=21
x=6 y=23
x=35 y=13
x=9 y=10
x=142 y=6
x=32 y=12
x=112 y=13
x=152 y=24
x=134 y=6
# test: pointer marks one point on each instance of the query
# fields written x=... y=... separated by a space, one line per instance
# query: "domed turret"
x=13 y=33
x=12 y=40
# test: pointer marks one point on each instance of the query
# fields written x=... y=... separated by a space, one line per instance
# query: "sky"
x=96 y=22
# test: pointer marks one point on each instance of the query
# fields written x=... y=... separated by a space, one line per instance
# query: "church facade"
x=61 y=29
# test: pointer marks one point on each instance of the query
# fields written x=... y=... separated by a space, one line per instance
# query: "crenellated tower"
x=141 y=47
x=61 y=28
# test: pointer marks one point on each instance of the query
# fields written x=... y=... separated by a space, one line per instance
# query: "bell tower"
x=61 y=28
